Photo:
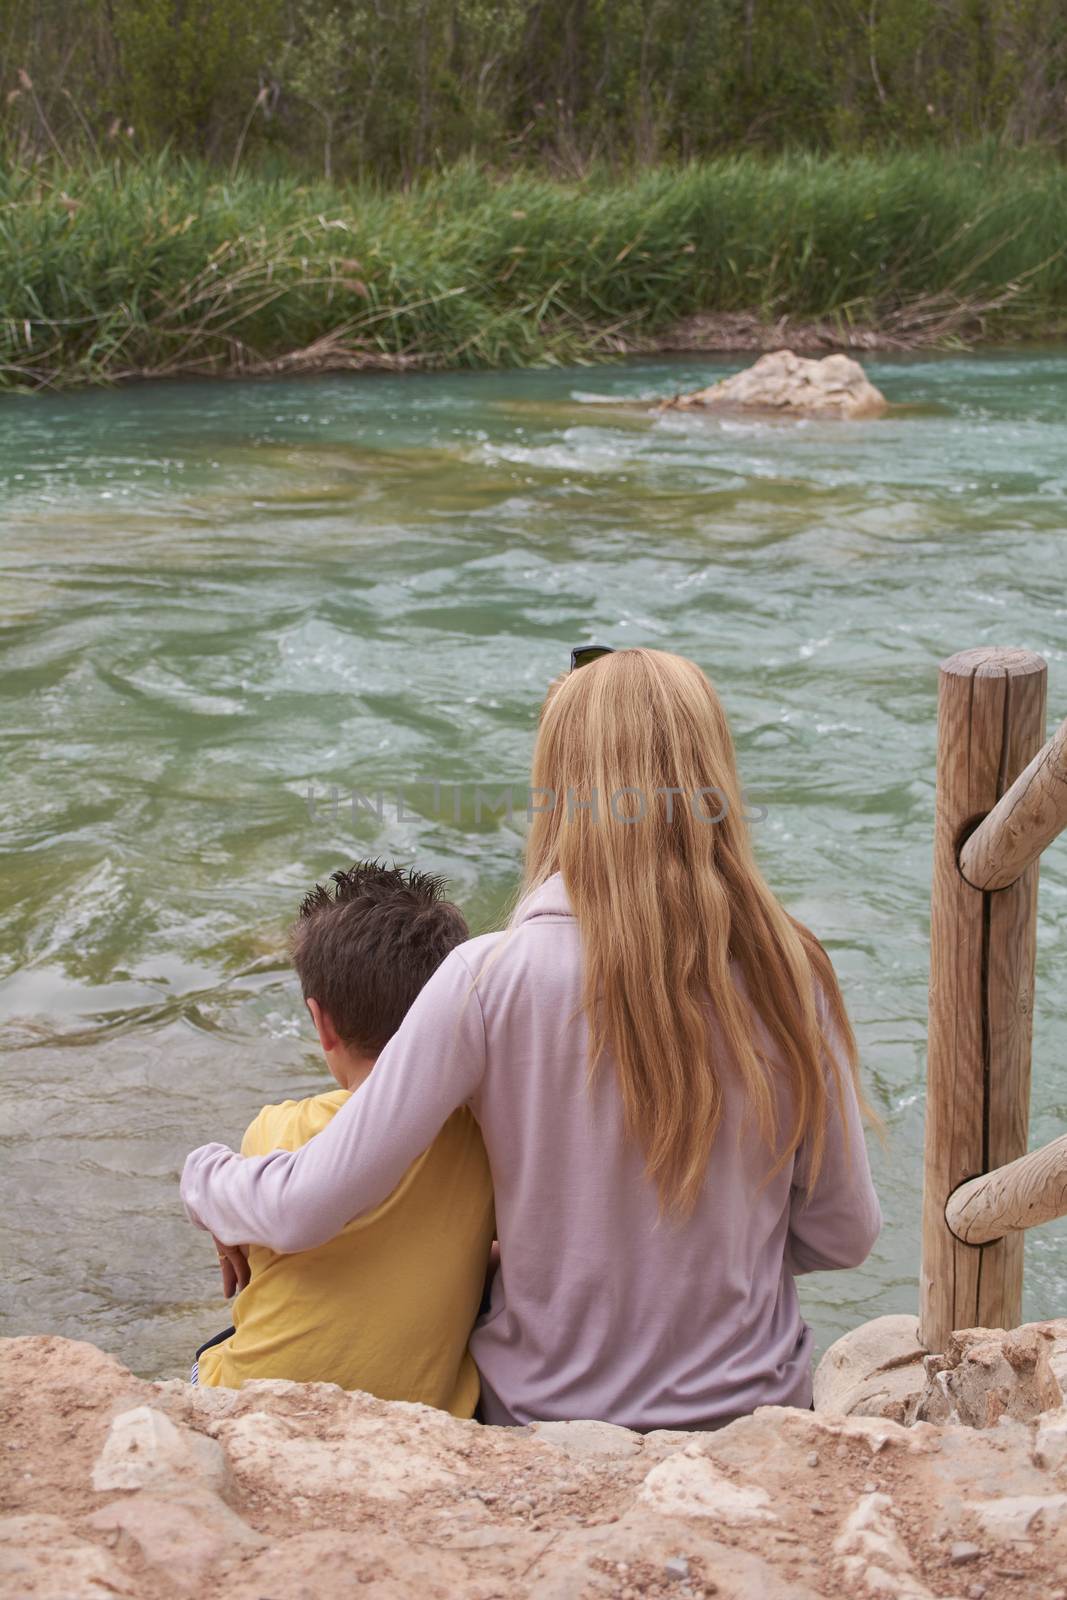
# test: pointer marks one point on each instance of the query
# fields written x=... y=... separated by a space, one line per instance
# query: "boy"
x=388 y=1305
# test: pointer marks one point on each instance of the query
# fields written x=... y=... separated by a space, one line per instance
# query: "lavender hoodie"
x=601 y=1308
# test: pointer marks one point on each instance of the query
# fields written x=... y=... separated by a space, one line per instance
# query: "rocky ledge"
x=117 y=1487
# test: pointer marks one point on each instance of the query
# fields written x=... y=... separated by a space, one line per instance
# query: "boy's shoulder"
x=291 y=1123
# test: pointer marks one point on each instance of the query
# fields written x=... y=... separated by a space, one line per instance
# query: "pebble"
x=676 y=1567
x=870 y=1488
x=813 y=1459
x=976 y=1591
x=816 y=1509
x=962 y=1552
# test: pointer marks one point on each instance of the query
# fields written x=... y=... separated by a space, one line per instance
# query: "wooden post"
x=991 y=722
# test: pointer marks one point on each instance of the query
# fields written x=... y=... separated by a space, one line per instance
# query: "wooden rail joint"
x=1026 y=819
x=952 y=1206
x=1019 y=1195
x=966 y=834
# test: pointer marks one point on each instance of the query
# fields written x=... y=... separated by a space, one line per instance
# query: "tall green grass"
x=166 y=267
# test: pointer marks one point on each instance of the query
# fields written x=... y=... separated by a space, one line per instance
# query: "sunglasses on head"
x=582 y=654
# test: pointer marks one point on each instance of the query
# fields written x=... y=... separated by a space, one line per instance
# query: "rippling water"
x=220 y=597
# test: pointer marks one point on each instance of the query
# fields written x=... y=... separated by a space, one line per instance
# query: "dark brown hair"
x=364 y=950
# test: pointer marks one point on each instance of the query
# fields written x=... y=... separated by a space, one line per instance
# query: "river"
x=223 y=598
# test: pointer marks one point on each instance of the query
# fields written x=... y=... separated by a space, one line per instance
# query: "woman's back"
x=666 y=1152
x=602 y=1307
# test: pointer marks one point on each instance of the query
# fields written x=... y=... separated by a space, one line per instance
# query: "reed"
x=168 y=267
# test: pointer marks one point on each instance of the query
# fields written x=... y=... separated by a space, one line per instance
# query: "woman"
x=664 y=1075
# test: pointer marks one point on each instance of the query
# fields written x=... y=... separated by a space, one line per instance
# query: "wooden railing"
x=980 y=1187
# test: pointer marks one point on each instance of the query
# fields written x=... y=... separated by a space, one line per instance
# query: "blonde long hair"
x=637 y=752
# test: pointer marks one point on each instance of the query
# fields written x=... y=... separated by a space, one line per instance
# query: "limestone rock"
x=872 y=1553
x=363 y=1458
x=793 y=386
x=57 y=1397
x=339 y=1565
x=986 y=1374
x=1057 y=1350
x=1017 y=1516
x=585 y=1440
x=874 y=1371
x=184 y=1538
x=144 y=1450
x=324 y=1493
x=1050 y=1441
x=880 y=1369
x=689 y=1484
x=41 y=1556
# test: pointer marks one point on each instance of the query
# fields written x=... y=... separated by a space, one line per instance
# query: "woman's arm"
x=834 y=1222
x=293 y=1200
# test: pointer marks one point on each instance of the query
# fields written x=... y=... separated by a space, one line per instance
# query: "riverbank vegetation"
x=164 y=266
x=193 y=186
x=392 y=89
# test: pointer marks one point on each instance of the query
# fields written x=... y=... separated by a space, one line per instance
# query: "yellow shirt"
x=388 y=1305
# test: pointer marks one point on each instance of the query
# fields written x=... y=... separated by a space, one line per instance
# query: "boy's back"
x=388 y=1305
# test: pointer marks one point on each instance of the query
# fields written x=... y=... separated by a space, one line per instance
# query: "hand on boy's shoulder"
x=291 y=1123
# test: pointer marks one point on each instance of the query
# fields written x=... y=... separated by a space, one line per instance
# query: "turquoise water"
x=218 y=596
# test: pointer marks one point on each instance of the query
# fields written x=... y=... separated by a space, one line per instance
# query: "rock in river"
x=791 y=386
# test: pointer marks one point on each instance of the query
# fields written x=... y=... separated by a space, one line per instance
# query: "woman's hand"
x=233 y=1264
